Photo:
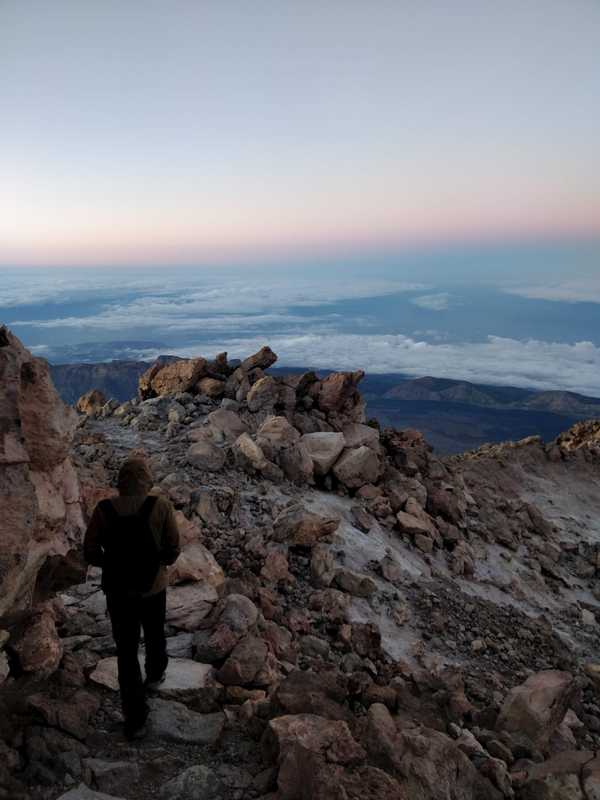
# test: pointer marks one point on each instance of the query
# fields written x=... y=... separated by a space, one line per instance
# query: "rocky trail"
x=350 y=617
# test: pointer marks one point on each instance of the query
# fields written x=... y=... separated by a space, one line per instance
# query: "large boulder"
x=357 y=435
x=338 y=389
x=275 y=434
x=39 y=488
x=211 y=387
x=537 y=707
x=205 y=454
x=38 y=647
x=264 y=359
x=225 y=425
x=196 y=563
x=244 y=662
x=91 y=402
x=167 y=379
x=235 y=617
x=357 y=467
x=263 y=394
x=324 y=448
x=174 y=722
x=296 y=525
x=311 y=753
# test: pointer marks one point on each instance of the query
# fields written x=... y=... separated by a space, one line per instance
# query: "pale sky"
x=145 y=132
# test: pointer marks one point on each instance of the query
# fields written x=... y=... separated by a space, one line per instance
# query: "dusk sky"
x=145 y=132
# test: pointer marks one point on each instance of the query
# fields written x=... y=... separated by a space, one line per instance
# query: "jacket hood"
x=135 y=477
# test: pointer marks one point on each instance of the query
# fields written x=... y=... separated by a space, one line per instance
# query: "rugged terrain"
x=351 y=616
x=453 y=415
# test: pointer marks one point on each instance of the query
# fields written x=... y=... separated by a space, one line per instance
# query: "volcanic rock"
x=324 y=449
x=537 y=707
x=357 y=467
x=297 y=526
x=91 y=402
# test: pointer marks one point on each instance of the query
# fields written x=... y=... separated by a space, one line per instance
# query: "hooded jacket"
x=134 y=484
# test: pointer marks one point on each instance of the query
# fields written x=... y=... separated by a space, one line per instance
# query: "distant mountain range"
x=454 y=415
x=444 y=390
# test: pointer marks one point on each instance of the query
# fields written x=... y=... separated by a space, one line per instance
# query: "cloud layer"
x=535 y=364
x=574 y=291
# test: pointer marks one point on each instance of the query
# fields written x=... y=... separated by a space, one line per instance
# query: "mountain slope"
x=351 y=616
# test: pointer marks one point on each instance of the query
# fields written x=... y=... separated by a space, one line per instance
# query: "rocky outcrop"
x=39 y=488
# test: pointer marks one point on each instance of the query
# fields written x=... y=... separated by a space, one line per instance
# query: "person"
x=133 y=538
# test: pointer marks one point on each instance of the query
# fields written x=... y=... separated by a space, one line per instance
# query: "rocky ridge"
x=351 y=616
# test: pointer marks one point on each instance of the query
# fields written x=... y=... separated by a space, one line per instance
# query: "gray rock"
x=113 y=776
x=180 y=646
x=82 y=792
x=176 y=723
x=324 y=449
x=195 y=783
x=206 y=455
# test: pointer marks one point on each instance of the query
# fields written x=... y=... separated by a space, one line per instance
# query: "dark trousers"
x=128 y=616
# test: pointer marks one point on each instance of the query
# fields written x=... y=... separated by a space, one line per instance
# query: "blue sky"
x=146 y=132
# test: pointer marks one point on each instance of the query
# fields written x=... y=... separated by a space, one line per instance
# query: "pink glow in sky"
x=152 y=132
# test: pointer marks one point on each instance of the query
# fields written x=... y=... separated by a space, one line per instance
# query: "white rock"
x=82 y=792
x=183 y=675
x=324 y=449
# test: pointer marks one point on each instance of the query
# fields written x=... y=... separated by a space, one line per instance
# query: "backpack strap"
x=147 y=507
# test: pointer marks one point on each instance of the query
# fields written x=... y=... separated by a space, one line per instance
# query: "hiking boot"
x=154 y=683
x=135 y=730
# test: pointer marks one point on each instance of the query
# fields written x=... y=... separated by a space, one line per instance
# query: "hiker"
x=133 y=537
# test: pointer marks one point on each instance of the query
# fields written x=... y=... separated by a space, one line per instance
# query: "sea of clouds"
x=239 y=313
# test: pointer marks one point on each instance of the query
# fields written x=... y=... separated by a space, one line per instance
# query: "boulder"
x=324 y=449
x=183 y=677
x=38 y=647
x=180 y=376
x=322 y=566
x=113 y=776
x=412 y=525
x=248 y=454
x=211 y=387
x=39 y=488
x=297 y=526
x=91 y=402
x=537 y=707
x=276 y=434
x=196 y=563
x=244 y=662
x=233 y=619
x=82 y=792
x=357 y=467
x=432 y=766
x=337 y=389
x=305 y=692
x=226 y=425
x=357 y=435
x=174 y=722
x=264 y=359
x=198 y=782
x=560 y=777
x=206 y=455
x=354 y=583
x=329 y=738
x=189 y=604
x=311 y=753
x=296 y=463
x=71 y=713
x=276 y=566
x=263 y=394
